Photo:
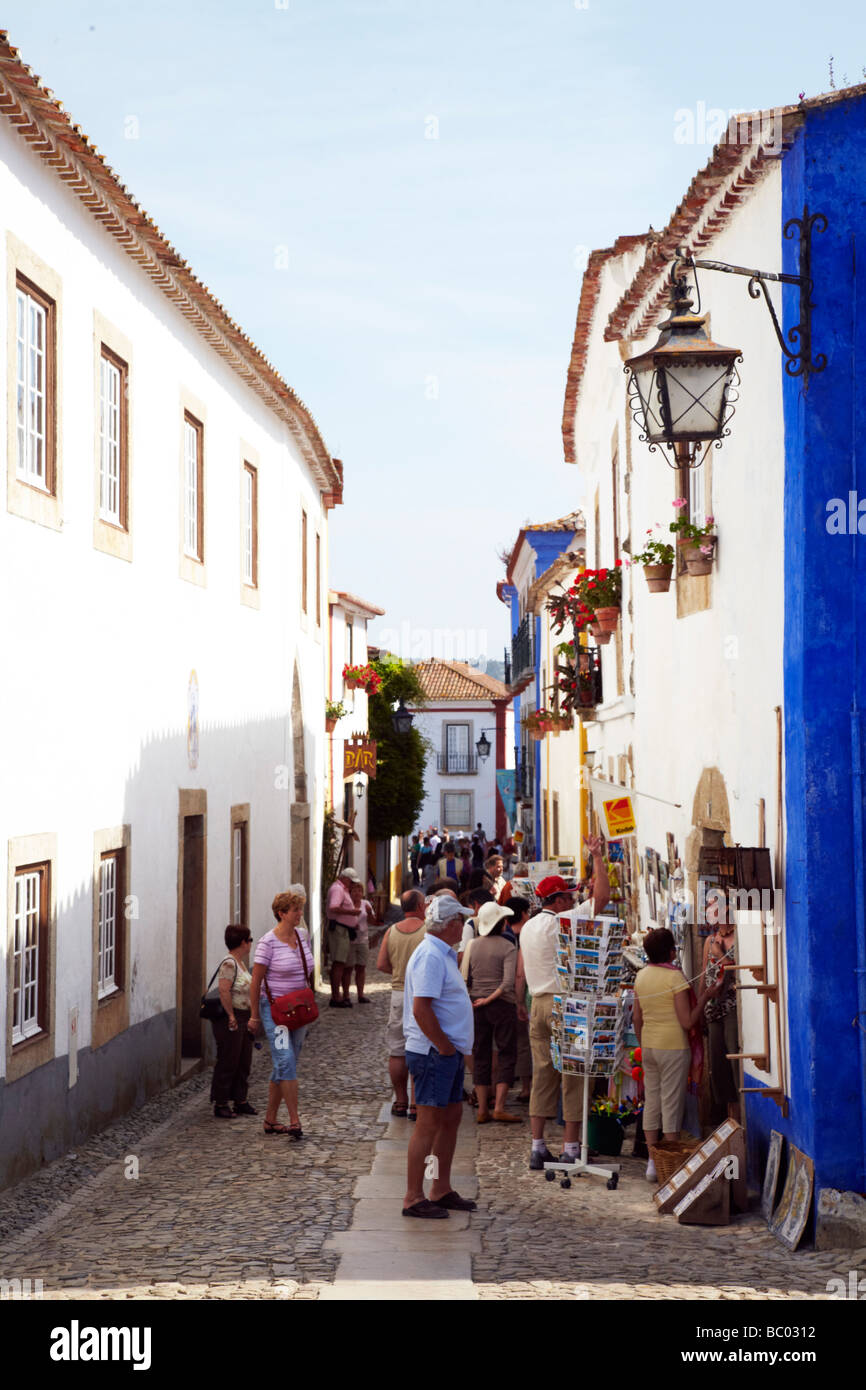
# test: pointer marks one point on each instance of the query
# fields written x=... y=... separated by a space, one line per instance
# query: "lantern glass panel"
x=647 y=382
x=696 y=394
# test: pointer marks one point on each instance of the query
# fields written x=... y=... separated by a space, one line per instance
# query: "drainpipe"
x=857 y=757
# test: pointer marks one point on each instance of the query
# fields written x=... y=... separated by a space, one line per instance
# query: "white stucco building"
x=693 y=685
x=164 y=560
x=347 y=646
x=460 y=787
x=543 y=562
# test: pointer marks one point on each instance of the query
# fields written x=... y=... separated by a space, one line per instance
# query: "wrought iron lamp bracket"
x=798 y=357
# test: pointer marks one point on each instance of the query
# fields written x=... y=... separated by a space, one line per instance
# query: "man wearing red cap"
x=537 y=969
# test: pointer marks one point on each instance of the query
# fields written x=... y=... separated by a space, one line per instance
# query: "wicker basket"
x=669 y=1156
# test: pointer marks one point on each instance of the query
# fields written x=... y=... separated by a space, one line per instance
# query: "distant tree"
x=396 y=793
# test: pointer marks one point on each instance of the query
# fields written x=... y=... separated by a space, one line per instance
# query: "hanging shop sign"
x=359 y=755
x=615 y=807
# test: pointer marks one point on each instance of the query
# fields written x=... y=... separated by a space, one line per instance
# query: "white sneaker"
x=651 y=1175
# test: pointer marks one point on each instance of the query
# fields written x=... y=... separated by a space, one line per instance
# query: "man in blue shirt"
x=439 y=1027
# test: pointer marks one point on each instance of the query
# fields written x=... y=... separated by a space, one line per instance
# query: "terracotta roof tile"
x=352 y=601
x=454 y=680
x=590 y=287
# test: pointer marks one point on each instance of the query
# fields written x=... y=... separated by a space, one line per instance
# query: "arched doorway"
x=711 y=829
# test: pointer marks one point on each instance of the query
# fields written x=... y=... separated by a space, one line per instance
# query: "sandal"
x=399 y=1110
x=413 y=1113
x=295 y=1131
x=223 y=1112
x=275 y=1129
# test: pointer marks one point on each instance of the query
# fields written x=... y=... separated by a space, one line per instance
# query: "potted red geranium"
x=601 y=590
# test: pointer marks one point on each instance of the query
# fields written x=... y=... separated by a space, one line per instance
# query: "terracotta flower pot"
x=658 y=578
x=696 y=561
x=351 y=683
x=602 y=638
x=330 y=724
x=537 y=734
x=586 y=696
x=607 y=618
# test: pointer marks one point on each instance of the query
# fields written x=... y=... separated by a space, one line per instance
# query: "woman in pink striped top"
x=280 y=958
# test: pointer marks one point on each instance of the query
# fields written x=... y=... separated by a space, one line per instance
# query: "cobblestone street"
x=200 y=1219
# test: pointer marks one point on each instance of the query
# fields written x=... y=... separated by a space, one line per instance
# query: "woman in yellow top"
x=664 y=1011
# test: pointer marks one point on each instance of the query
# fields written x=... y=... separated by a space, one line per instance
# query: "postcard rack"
x=588 y=1034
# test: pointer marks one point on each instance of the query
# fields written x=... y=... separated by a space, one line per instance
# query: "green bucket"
x=605 y=1134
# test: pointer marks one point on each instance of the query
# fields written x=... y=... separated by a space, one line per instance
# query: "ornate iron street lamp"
x=682 y=392
x=359 y=789
x=402 y=719
x=483 y=745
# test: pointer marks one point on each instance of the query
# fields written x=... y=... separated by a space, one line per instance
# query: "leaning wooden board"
x=728 y=1141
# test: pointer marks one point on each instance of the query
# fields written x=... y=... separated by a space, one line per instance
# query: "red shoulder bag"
x=299 y=1007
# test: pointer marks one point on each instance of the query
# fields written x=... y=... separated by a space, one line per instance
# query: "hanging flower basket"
x=362 y=678
x=330 y=725
x=699 y=558
x=657 y=558
x=695 y=544
x=607 y=618
x=658 y=578
x=602 y=638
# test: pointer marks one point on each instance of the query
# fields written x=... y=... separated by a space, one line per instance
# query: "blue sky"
x=395 y=199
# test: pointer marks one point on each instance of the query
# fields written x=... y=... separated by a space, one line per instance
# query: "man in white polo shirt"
x=536 y=970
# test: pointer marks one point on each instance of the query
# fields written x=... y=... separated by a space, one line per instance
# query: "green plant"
x=396 y=793
x=334 y=711
x=685 y=530
x=625 y=1110
x=567 y=649
x=655 y=551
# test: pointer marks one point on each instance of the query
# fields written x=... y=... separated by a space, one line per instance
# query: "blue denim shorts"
x=285 y=1046
x=438 y=1080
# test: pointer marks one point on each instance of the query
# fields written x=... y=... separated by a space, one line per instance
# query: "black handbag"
x=211 y=1004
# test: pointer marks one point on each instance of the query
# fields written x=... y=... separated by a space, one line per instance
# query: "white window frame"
x=31 y=390
x=25 y=967
x=697 y=496
x=452 y=822
x=109 y=887
x=249 y=509
x=191 y=538
x=237 y=914
x=466 y=727
x=110 y=440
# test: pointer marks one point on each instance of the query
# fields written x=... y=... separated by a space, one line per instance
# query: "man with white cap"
x=439 y=1027
x=343 y=918
x=537 y=971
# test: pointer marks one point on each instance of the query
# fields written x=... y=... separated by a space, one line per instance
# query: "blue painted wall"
x=548 y=546
x=825 y=585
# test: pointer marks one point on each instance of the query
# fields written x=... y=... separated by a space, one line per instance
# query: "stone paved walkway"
x=199 y=1220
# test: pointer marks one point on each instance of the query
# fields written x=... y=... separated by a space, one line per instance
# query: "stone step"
x=361 y=1290
x=394 y=1272
x=412 y=1238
